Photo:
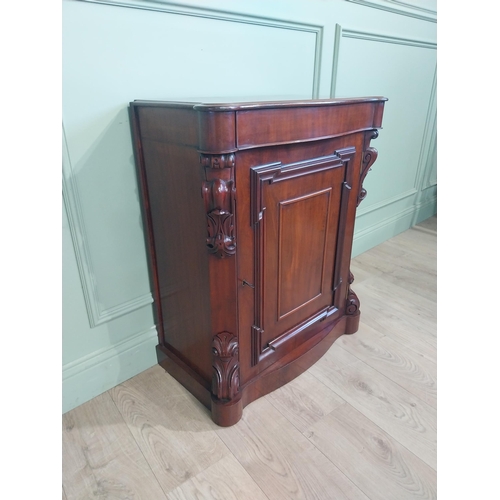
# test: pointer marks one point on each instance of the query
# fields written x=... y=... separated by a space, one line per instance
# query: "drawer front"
x=263 y=127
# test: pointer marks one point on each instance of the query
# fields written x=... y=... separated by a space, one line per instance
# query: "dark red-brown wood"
x=249 y=211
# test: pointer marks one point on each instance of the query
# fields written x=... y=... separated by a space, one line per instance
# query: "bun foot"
x=227 y=413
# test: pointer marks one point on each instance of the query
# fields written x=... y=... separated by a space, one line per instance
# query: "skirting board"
x=392 y=226
x=98 y=372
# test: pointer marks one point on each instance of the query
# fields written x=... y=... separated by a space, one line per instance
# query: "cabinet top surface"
x=229 y=105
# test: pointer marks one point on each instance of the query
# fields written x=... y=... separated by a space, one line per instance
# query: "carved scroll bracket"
x=352 y=301
x=369 y=157
x=218 y=195
x=226 y=367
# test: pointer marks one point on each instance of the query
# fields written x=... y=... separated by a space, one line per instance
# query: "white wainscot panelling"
x=113 y=54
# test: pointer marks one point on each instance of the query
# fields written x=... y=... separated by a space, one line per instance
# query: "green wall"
x=118 y=51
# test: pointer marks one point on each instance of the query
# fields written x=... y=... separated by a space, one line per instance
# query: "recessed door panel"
x=302 y=238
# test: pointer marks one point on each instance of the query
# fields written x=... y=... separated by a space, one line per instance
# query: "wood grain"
x=423 y=349
x=281 y=460
x=332 y=361
x=412 y=245
x=399 y=297
x=402 y=271
x=173 y=432
x=101 y=458
x=225 y=480
x=400 y=318
x=303 y=401
x=376 y=462
x=414 y=274
x=401 y=364
x=398 y=412
x=415 y=241
x=379 y=260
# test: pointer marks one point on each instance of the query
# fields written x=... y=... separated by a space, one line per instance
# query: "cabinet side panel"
x=174 y=179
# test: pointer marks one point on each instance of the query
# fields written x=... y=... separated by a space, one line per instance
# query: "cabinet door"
x=298 y=215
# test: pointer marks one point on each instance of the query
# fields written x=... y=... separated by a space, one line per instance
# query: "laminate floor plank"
x=395 y=410
x=414 y=278
x=397 y=362
x=407 y=270
x=421 y=243
x=403 y=300
x=402 y=296
x=101 y=458
x=175 y=433
x=281 y=460
x=421 y=348
x=224 y=480
x=303 y=401
x=377 y=463
x=362 y=272
x=326 y=367
x=378 y=260
x=398 y=327
x=402 y=250
x=395 y=317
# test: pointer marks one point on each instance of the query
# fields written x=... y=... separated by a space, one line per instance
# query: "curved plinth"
x=228 y=412
x=283 y=371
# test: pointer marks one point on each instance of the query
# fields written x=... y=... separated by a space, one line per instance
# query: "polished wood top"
x=206 y=105
x=221 y=128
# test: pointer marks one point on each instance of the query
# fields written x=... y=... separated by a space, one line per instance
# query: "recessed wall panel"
x=403 y=72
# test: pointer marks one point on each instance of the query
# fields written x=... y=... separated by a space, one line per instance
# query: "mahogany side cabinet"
x=249 y=215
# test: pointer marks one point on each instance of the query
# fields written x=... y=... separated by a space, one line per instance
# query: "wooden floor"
x=359 y=424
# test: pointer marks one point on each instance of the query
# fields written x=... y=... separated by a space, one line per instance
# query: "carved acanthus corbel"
x=369 y=157
x=226 y=367
x=218 y=196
